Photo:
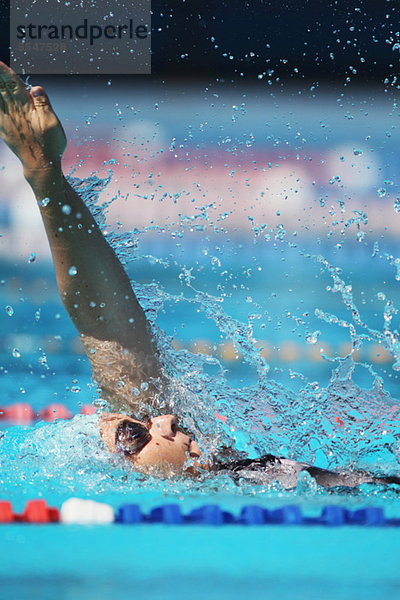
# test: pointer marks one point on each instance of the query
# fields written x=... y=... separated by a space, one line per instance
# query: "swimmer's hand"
x=93 y=285
x=29 y=126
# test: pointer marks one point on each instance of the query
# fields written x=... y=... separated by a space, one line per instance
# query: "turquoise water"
x=65 y=459
x=225 y=293
x=170 y=562
x=270 y=405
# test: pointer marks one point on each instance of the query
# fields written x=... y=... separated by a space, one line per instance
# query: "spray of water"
x=340 y=425
x=268 y=417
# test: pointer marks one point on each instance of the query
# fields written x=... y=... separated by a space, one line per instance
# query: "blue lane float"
x=90 y=512
x=212 y=514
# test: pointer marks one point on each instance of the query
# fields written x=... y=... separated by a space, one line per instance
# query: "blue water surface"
x=325 y=313
x=179 y=562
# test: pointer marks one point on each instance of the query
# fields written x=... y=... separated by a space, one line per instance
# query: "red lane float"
x=6 y=512
x=22 y=413
x=88 y=409
x=37 y=511
x=55 y=411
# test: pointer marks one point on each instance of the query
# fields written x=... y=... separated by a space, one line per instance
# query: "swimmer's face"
x=156 y=445
x=168 y=448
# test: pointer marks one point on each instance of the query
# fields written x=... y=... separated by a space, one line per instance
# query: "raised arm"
x=92 y=283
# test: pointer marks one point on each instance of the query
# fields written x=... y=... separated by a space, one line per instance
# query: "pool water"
x=57 y=461
x=171 y=562
x=250 y=313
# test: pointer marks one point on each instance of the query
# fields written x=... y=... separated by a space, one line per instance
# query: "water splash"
x=336 y=426
x=331 y=426
x=68 y=458
x=388 y=338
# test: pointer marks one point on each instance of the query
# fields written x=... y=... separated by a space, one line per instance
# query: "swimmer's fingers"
x=39 y=98
x=13 y=100
x=46 y=116
x=28 y=124
x=12 y=90
x=3 y=107
x=41 y=102
x=3 y=102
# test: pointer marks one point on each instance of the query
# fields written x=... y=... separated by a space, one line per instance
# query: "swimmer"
x=99 y=299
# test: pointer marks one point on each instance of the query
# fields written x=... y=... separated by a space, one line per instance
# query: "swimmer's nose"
x=165 y=425
x=194 y=450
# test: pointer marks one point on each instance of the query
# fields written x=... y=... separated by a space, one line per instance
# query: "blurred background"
x=266 y=135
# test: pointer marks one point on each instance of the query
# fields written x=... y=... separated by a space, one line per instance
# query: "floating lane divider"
x=36 y=511
x=284 y=351
x=88 y=512
x=22 y=413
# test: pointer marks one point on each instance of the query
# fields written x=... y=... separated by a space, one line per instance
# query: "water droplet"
x=9 y=311
x=16 y=353
x=75 y=389
x=37 y=315
x=396 y=47
x=42 y=360
x=361 y=236
x=312 y=338
x=381 y=192
x=100 y=403
x=357 y=152
x=32 y=257
x=66 y=209
x=72 y=271
x=44 y=202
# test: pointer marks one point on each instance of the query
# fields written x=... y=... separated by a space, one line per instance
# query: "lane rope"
x=22 y=413
x=90 y=512
x=284 y=351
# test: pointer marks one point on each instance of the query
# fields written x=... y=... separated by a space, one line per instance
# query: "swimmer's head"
x=157 y=445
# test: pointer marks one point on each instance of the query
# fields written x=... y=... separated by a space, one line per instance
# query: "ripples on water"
x=337 y=426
